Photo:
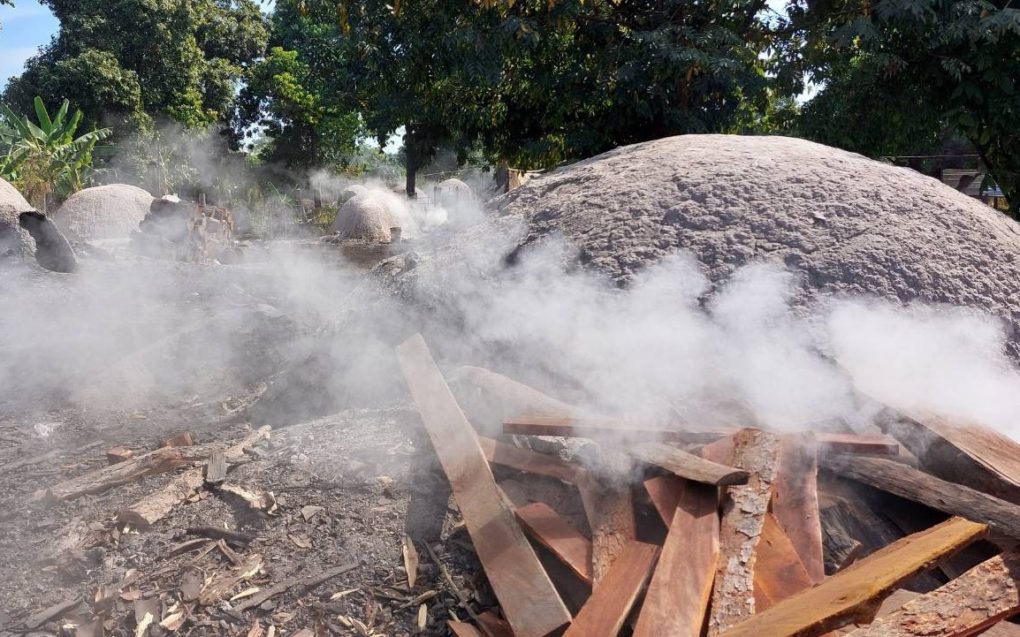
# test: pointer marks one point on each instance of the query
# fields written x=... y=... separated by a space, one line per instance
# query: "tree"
x=46 y=158
x=130 y=60
x=543 y=82
x=932 y=63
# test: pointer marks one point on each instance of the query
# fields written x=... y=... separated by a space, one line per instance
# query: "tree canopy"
x=128 y=61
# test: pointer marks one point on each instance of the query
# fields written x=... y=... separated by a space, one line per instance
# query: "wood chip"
x=182 y=439
x=300 y=541
x=216 y=469
x=52 y=612
x=857 y=591
x=423 y=616
x=410 y=561
x=302 y=583
x=309 y=512
x=115 y=455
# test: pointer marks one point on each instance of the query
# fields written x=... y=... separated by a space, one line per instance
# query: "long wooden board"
x=677 y=600
x=779 y=572
x=552 y=531
x=589 y=427
x=526 y=460
x=607 y=610
x=857 y=590
x=795 y=500
x=687 y=465
x=965 y=606
x=918 y=486
x=740 y=531
x=529 y=600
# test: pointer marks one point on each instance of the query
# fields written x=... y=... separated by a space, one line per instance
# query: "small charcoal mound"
x=104 y=212
x=52 y=250
x=14 y=241
x=846 y=223
x=452 y=193
x=364 y=218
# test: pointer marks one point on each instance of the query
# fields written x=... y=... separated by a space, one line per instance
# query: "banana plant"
x=46 y=158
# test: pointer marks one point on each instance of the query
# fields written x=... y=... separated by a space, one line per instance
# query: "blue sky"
x=23 y=29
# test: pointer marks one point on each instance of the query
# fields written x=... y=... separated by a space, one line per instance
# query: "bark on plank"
x=678 y=596
x=968 y=454
x=552 y=531
x=611 y=603
x=590 y=427
x=795 y=501
x=857 y=591
x=610 y=512
x=740 y=531
x=664 y=492
x=687 y=465
x=918 y=486
x=779 y=572
x=965 y=606
x=147 y=511
x=529 y=600
x=526 y=460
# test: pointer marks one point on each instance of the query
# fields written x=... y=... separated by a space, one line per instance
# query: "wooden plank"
x=879 y=445
x=795 y=500
x=610 y=512
x=151 y=463
x=552 y=531
x=678 y=596
x=155 y=462
x=590 y=427
x=611 y=603
x=965 y=606
x=915 y=485
x=154 y=507
x=779 y=572
x=529 y=600
x=857 y=591
x=740 y=531
x=687 y=465
x=526 y=460
x=664 y=492
x=965 y=453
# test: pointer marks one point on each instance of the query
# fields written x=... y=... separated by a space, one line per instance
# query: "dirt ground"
x=347 y=489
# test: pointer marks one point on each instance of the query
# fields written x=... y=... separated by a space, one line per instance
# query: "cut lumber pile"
x=687 y=531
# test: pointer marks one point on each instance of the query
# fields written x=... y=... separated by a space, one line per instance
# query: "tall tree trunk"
x=411 y=166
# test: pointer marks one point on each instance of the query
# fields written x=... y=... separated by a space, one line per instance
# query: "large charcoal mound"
x=103 y=212
x=847 y=223
x=14 y=241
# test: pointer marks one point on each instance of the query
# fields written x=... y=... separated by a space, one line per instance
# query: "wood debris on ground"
x=650 y=530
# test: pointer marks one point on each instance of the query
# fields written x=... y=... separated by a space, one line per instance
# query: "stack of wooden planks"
x=732 y=532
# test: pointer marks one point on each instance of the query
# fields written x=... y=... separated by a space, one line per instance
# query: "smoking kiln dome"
x=14 y=241
x=364 y=218
x=845 y=223
x=103 y=212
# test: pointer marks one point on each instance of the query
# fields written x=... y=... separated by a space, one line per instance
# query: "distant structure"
x=972 y=182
